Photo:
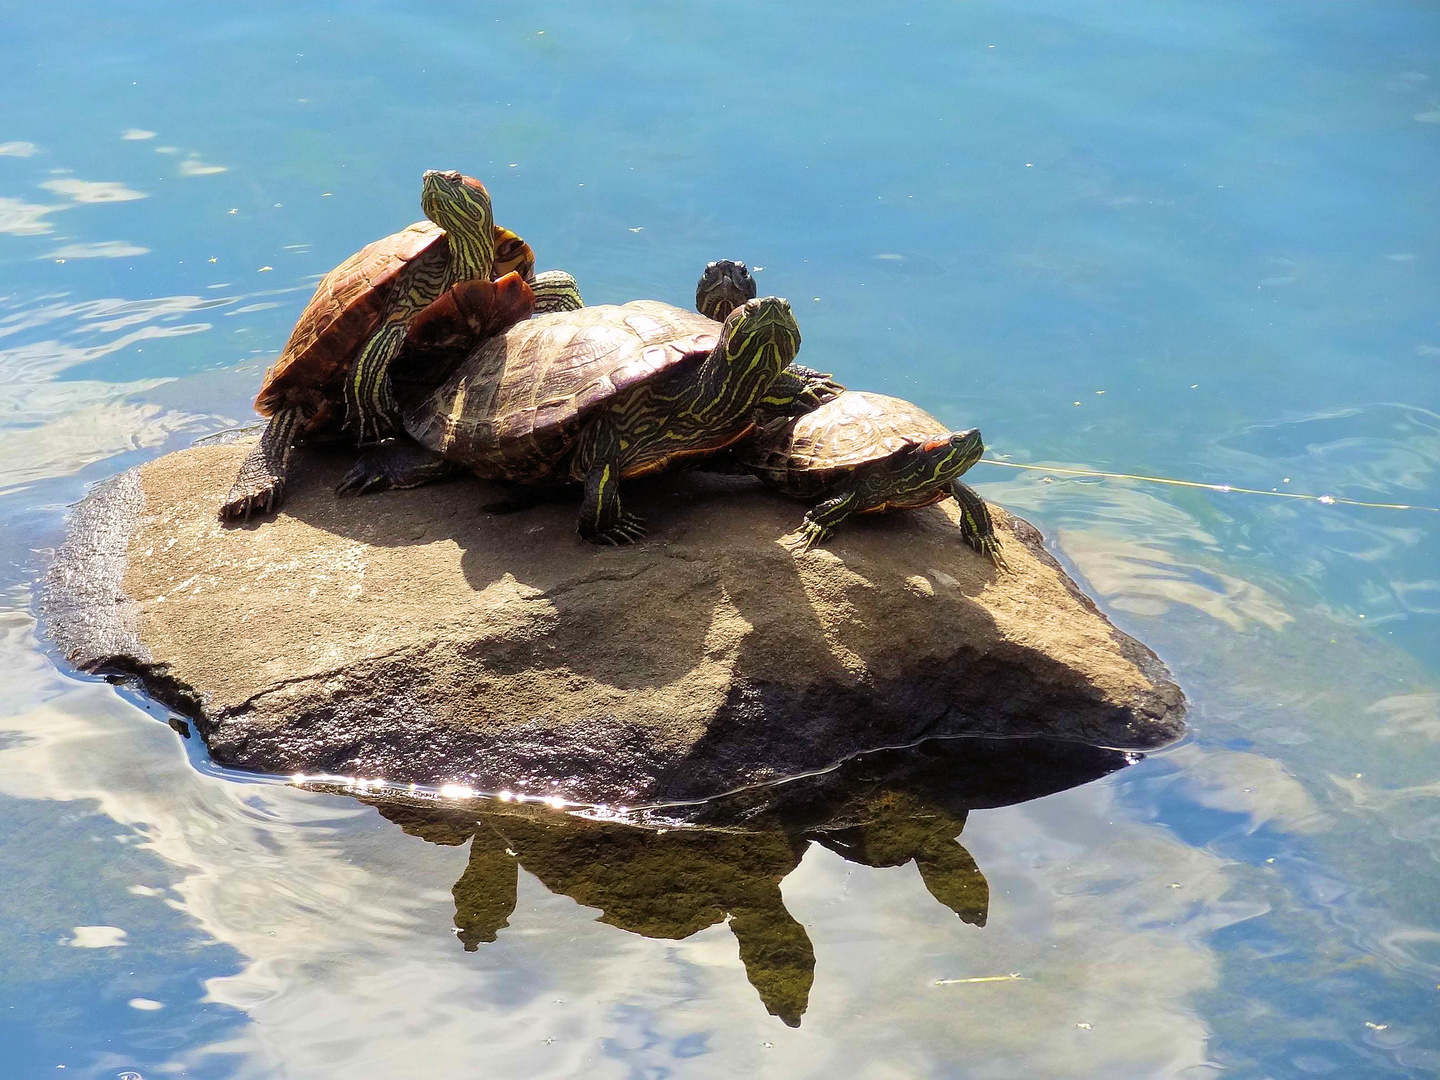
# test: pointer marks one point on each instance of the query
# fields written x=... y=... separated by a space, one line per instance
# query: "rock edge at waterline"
x=411 y=636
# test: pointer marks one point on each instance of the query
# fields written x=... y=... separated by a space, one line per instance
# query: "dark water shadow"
x=671 y=873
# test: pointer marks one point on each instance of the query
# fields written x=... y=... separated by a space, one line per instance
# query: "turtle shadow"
x=895 y=809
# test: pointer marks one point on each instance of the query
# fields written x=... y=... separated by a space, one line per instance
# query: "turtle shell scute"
x=829 y=443
x=516 y=404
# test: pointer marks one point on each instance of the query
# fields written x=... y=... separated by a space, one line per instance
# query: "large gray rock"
x=411 y=636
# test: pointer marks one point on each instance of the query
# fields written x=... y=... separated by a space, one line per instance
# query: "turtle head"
x=950 y=455
x=761 y=336
x=724 y=286
x=458 y=204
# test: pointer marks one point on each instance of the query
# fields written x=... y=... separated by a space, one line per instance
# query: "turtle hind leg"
x=400 y=464
x=261 y=482
x=977 y=528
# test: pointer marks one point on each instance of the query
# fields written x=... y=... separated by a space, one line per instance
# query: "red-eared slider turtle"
x=865 y=453
x=357 y=318
x=596 y=395
x=458 y=321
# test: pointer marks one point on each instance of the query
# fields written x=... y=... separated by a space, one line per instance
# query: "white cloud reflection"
x=195 y=167
x=97 y=937
x=104 y=249
x=87 y=431
x=21 y=218
x=93 y=191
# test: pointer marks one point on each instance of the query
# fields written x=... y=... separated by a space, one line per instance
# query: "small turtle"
x=724 y=285
x=863 y=453
x=356 y=320
x=596 y=396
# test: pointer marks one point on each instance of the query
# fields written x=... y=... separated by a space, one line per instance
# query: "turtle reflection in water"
x=904 y=807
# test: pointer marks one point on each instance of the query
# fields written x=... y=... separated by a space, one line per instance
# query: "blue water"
x=1189 y=241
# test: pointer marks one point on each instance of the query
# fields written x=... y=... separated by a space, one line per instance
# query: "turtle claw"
x=989 y=546
x=363 y=477
x=816 y=394
x=627 y=530
x=805 y=537
x=245 y=500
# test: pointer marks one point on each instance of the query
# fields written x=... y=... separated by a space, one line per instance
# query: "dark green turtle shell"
x=514 y=407
x=810 y=456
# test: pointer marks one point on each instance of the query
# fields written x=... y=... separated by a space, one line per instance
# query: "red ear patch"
x=936 y=444
x=474 y=185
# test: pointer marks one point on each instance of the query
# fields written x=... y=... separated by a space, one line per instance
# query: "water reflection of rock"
x=669 y=879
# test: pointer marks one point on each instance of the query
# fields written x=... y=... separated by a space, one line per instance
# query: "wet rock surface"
x=411 y=636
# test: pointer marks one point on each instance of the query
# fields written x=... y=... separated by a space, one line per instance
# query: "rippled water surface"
x=1189 y=241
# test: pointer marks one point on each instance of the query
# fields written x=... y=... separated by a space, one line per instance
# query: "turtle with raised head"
x=863 y=453
x=596 y=396
x=339 y=353
x=461 y=317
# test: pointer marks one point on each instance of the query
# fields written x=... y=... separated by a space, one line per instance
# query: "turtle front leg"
x=602 y=520
x=820 y=522
x=400 y=464
x=261 y=480
x=370 y=408
x=798 y=390
x=977 y=528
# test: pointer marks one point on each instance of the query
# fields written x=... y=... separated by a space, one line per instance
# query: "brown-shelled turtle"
x=460 y=318
x=596 y=396
x=345 y=339
x=862 y=453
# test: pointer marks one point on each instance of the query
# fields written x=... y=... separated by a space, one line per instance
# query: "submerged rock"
x=411 y=636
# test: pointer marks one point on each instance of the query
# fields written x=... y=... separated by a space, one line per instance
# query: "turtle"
x=457 y=321
x=349 y=332
x=864 y=453
x=724 y=285
x=595 y=396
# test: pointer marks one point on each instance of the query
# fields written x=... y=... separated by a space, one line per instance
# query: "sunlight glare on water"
x=1193 y=242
